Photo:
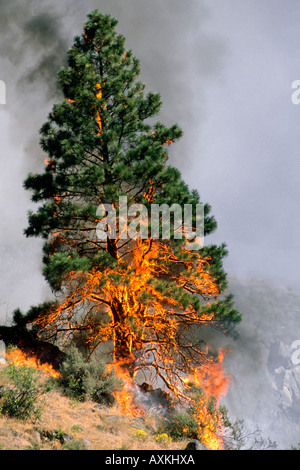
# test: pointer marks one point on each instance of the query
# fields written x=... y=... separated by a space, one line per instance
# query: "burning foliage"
x=18 y=358
x=146 y=304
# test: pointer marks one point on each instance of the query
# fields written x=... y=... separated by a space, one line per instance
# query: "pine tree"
x=146 y=295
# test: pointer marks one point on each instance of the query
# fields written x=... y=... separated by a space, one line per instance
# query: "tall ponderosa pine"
x=145 y=295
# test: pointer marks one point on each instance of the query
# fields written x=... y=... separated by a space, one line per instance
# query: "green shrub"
x=21 y=400
x=84 y=380
x=74 y=445
x=181 y=426
x=187 y=424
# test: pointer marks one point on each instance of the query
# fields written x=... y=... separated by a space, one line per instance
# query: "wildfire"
x=214 y=383
x=213 y=379
x=99 y=96
x=57 y=199
x=18 y=358
x=149 y=194
x=210 y=425
x=149 y=318
x=126 y=397
x=98 y=118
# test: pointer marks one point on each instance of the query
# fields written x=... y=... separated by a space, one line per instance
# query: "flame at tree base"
x=211 y=384
x=204 y=390
x=126 y=396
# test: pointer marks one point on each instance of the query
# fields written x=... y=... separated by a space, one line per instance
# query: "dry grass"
x=65 y=424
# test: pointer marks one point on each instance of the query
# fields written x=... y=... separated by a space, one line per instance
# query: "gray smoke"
x=32 y=47
x=265 y=386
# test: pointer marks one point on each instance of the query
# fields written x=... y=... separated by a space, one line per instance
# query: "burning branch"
x=145 y=295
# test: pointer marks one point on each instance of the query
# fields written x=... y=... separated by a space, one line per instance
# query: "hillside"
x=71 y=425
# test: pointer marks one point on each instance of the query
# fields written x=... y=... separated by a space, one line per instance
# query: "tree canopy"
x=146 y=295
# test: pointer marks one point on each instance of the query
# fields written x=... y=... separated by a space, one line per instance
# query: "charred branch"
x=28 y=343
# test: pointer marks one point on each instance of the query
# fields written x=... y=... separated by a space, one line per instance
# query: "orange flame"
x=18 y=358
x=213 y=379
x=99 y=96
x=126 y=397
x=215 y=384
x=57 y=198
x=149 y=194
x=98 y=118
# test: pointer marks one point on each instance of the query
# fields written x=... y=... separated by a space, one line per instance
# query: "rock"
x=138 y=422
x=154 y=398
x=28 y=342
x=86 y=444
x=113 y=418
x=101 y=408
x=37 y=437
x=65 y=438
x=195 y=445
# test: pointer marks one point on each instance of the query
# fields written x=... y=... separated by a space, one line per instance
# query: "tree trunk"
x=123 y=340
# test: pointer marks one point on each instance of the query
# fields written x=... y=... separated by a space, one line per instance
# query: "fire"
x=18 y=358
x=210 y=425
x=126 y=397
x=214 y=383
x=98 y=118
x=140 y=313
x=57 y=199
x=149 y=194
x=99 y=96
x=213 y=379
x=149 y=322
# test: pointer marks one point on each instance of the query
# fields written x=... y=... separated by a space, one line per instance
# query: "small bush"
x=21 y=400
x=76 y=428
x=190 y=422
x=74 y=445
x=140 y=434
x=84 y=380
x=163 y=438
x=181 y=426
